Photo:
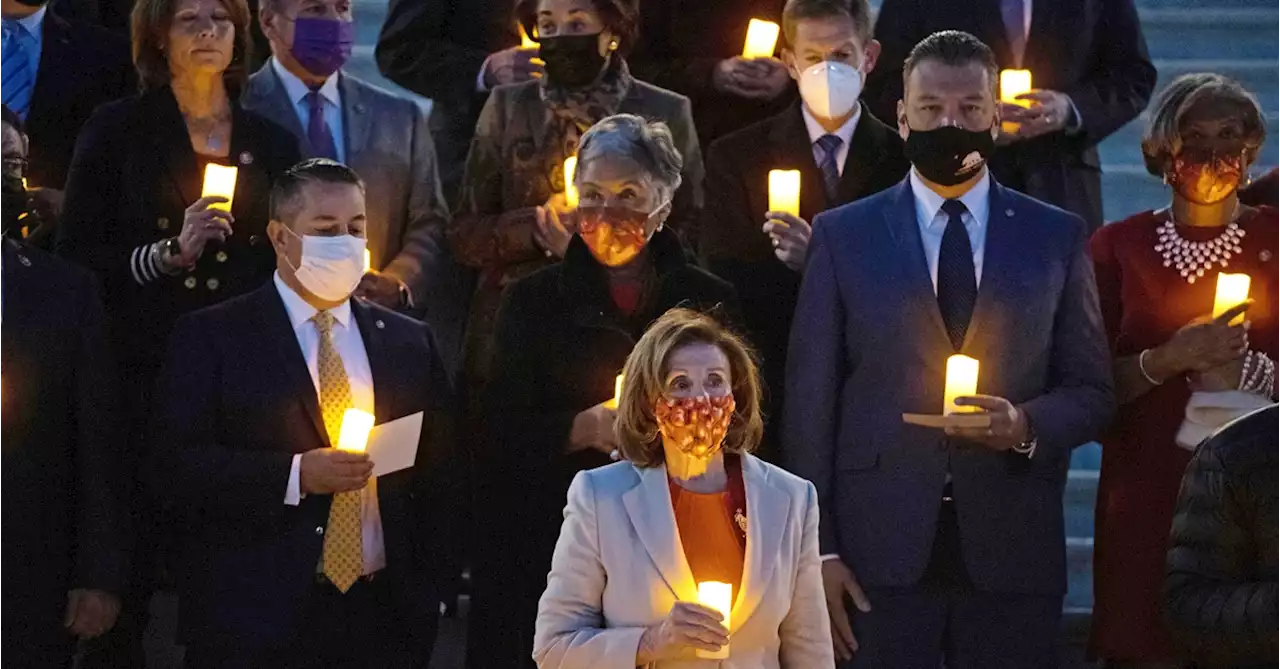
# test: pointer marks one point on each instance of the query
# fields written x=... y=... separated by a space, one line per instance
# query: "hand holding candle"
x=1012 y=84
x=220 y=181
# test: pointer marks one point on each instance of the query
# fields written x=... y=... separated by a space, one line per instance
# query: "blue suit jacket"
x=869 y=344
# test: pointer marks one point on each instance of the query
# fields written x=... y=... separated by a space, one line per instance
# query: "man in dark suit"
x=383 y=136
x=695 y=49
x=842 y=151
x=64 y=527
x=56 y=73
x=955 y=537
x=454 y=53
x=1089 y=65
x=292 y=556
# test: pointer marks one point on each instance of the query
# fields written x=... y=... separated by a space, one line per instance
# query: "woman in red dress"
x=1157 y=273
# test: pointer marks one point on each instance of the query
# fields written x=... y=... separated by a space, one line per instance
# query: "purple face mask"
x=322 y=46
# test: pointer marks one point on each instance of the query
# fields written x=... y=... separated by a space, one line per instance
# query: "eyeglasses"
x=14 y=164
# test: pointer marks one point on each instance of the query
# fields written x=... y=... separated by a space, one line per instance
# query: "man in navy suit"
x=949 y=544
x=292 y=555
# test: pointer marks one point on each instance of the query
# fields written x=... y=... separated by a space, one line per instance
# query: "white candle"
x=784 y=191
x=718 y=596
x=762 y=37
x=962 y=381
x=570 y=190
x=1233 y=290
x=220 y=180
x=354 y=435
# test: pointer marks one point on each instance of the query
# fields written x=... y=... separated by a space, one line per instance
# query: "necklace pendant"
x=740 y=519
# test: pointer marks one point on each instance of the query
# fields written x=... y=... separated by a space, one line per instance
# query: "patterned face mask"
x=1206 y=178
x=695 y=425
x=614 y=235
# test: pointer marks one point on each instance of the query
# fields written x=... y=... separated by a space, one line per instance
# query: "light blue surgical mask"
x=331 y=267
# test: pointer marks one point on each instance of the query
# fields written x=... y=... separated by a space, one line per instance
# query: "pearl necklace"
x=1192 y=259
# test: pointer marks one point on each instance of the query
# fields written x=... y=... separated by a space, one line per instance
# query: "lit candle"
x=718 y=596
x=570 y=190
x=784 y=191
x=354 y=434
x=1233 y=290
x=368 y=260
x=962 y=381
x=762 y=37
x=617 y=392
x=1012 y=84
x=525 y=41
x=219 y=180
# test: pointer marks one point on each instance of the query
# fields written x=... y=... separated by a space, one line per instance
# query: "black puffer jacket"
x=1220 y=587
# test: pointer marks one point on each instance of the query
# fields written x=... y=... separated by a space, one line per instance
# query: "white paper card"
x=394 y=446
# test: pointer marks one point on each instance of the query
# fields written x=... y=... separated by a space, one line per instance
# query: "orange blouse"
x=709 y=537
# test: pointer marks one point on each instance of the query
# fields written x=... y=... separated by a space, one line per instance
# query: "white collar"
x=844 y=132
x=929 y=203
x=297 y=90
x=32 y=24
x=300 y=312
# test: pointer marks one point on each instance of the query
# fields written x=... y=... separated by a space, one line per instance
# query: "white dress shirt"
x=350 y=346
x=844 y=132
x=933 y=221
x=34 y=41
x=297 y=92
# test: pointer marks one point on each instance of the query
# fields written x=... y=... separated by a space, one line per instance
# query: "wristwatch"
x=1028 y=447
x=171 y=254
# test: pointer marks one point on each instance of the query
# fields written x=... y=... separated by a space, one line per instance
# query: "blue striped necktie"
x=829 y=145
x=15 y=61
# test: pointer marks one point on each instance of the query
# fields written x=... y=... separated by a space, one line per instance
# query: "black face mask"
x=572 y=61
x=949 y=155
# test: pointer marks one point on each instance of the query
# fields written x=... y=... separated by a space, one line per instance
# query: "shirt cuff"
x=829 y=556
x=481 y=87
x=144 y=264
x=1074 y=124
x=293 y=491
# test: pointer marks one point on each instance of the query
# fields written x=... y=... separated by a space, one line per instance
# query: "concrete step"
x=1079 y=574
x=1214 y=32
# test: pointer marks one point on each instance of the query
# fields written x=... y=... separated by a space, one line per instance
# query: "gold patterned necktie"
x=343 y=559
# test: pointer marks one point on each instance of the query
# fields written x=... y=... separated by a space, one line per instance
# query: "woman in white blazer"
x=688 y=504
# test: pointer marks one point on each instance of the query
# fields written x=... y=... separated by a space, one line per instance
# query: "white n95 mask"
x=331 y=267
x=830 y=89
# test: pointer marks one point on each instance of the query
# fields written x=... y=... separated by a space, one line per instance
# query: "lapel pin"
x=1264 y=255
x=1008 y=212
x=246 y=158
x=26 y=262
x=379 y=324
x=359 y=108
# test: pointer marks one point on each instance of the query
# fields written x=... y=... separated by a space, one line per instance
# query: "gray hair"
x=1163 y=137
x=649 y=143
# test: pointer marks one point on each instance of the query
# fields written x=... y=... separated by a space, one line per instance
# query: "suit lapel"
x=270 y=99
x=173 y=144
x=900 y=219
x=355 y=117
x=51 y=79
x=372 y=331
x=864 y=153
x=275 y=324
x=767 y=511
x=999 y=259
x=649 y=506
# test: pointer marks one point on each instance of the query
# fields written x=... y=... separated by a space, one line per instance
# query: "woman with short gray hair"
x=563 y=336
x=1178 y=369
